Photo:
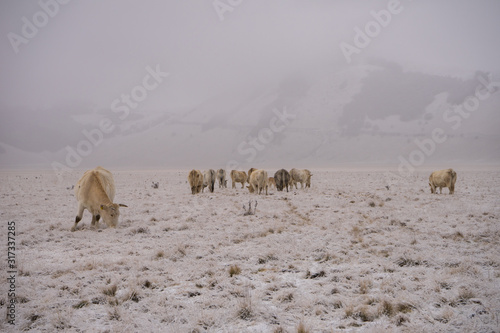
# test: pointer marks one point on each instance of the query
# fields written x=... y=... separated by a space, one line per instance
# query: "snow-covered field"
x=361 y=250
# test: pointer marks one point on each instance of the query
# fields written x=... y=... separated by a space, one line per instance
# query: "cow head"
x=110 y=213
x=250 y=188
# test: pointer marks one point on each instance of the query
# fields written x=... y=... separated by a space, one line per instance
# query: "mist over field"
x=369 y=96
x=234 y=84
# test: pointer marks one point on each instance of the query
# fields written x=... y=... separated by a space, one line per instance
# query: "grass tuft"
x=81 y=304
x=302 y=328
x=245 y=311
x=234 y=270
x=110 y=291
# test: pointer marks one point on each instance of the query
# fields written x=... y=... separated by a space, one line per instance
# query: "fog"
x=209 y=83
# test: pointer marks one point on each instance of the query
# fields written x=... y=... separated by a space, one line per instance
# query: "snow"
x=362 y=250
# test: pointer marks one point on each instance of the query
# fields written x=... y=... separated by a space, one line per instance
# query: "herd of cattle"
x=95 y=191
x=257 y=179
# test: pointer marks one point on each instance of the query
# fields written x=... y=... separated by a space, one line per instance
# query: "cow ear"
x=122 y=205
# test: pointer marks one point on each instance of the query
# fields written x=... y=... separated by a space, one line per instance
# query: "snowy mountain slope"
x=365 y=114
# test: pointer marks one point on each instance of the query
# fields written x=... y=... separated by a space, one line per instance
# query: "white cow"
x=95 y=192
x=300 y=176
x=221 y=177
x=209 y=180
x=443 y=178
x=258 y=181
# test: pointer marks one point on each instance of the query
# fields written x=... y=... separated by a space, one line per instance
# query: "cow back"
x=93 y=183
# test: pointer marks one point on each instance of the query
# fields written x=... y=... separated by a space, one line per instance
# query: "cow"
x=238 y=177
x=209 y=180
x=271 y=182
x=95 y=192
x=258 y=181
x=195 y=179
x=249 y=173
x=300 y=176
x=282 y=179
x=443 y=178
x=221 y=177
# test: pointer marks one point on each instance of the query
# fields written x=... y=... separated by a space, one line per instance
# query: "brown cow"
x=271 y=182
x=95 y=192
x=258 y=181
x=195 y=179
x=443 y=178
x=238 y=177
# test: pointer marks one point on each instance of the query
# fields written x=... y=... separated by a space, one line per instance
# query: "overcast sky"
x=94 y=51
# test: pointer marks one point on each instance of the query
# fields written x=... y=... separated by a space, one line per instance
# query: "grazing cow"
x=238 y=177
x=221 y=177
x=258 y=181
x=271 y=182
x=300 y=176
x=195 y=179
x=95 y=192
x=282 y=179
x=209 y=180
x=443 y=178
x=249 y=173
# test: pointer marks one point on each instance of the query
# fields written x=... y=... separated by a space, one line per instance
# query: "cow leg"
x=78 y=216
x=440 y=190
x=94 y=220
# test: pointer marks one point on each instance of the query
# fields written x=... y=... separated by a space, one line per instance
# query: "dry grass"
x=159 y=255
x=110 y=291
x=386 y=308
x=302 y=328
x=365 y=285
x=81 y=304
x=234 y=270
x=245 y=309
